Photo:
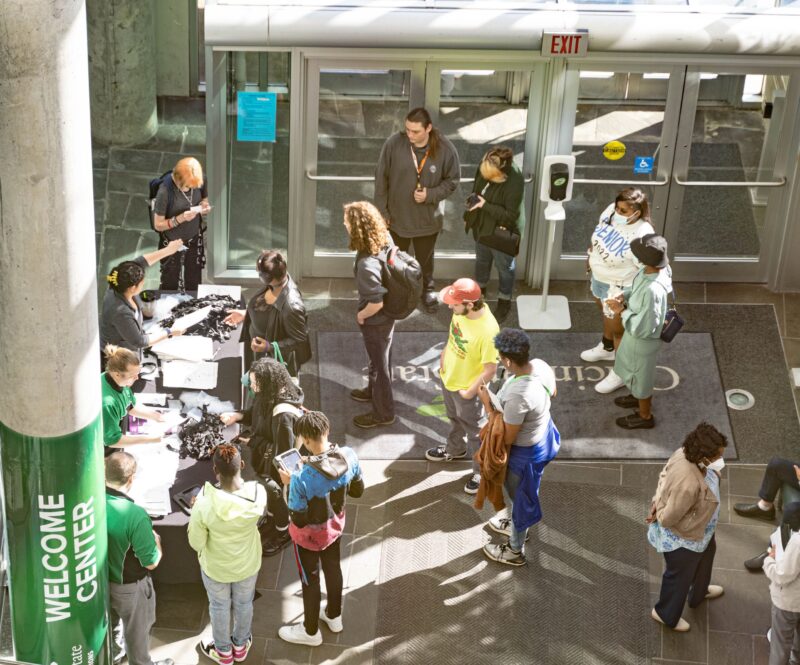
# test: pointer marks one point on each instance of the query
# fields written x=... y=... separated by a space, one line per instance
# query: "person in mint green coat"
x=643 y=310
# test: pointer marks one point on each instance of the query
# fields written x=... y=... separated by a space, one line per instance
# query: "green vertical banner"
x=56 y=526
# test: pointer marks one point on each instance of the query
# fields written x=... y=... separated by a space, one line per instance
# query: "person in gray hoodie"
x=417 y=170
x=783 y=570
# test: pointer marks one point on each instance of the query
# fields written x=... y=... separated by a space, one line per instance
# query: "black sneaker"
x=756 y=564
x=635 y=421
x=430 y=302
x=627 y=402
x=501 y=310
x=473 y=484
x=754 y=510
x=361 y=395
x=439 y=454
x=369 y=420
x=274 y=542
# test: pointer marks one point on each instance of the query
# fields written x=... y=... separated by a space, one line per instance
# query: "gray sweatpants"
x=466 y=418
x=135 y=604
x=784 y=644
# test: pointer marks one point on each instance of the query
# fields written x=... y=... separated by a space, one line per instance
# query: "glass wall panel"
x=258 y=172
x=728 y=141
x=358 y=111
x=618 y=122
x=478 y=110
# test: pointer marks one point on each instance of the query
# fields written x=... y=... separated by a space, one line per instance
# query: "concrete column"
x=50 y=431
x=123 y=70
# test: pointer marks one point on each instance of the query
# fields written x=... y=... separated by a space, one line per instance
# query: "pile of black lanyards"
x=199 y=438
x=212 y=326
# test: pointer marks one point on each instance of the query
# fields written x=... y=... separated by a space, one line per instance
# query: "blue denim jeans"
x=505 y=264
x=220 y=597
x=517 y=538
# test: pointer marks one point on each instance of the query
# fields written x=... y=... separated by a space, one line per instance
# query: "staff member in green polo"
x=130 y=531
x=122 y=370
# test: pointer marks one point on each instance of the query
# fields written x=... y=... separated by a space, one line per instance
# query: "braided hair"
x=274 y=384
x=227 y=460
x=124 y=276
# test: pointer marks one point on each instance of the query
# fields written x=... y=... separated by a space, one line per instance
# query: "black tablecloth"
x=179 y=561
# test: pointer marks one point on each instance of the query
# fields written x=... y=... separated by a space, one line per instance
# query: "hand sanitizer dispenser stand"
x=550 y=312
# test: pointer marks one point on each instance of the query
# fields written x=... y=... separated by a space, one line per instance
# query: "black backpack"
x=155 y=183
x=401 y=275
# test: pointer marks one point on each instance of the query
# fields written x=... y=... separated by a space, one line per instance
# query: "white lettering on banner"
x=54 y=541
x=51 y=517
x=85 y=559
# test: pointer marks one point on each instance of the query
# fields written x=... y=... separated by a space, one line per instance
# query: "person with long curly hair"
x=223 y=530
x=270 y=431
x=370 y=239
x=683 y=517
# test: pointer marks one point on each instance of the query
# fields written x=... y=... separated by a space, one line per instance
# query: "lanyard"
x=419 y=166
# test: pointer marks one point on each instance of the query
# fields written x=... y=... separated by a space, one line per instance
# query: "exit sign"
x=565 y=44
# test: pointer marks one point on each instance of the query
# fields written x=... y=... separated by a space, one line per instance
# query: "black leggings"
x=308 y=562
x=424 y=247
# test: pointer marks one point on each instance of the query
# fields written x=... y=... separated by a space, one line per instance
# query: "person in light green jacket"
x=223 y=530
x=643 y=310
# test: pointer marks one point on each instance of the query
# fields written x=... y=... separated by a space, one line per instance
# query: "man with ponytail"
x=417 y=170
x=223 y=530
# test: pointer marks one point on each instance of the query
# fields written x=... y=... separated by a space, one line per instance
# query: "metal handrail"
x=714 y=183
x=646 y=183
x=368 y=178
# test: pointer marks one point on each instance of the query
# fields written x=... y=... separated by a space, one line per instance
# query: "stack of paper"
x=185 y=374
x=171 y=419
x=156 y=469
x=192 y=348
x=234 y=292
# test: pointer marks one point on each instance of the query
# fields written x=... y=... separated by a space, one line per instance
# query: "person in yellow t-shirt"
x=469 y=360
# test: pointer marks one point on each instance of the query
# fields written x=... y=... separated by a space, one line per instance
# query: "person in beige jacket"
x=683 y=516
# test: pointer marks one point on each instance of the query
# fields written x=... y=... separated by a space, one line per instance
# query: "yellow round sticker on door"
x=614 y=150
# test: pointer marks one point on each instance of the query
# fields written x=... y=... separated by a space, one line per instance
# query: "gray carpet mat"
x=581 y=599
x=585 y=418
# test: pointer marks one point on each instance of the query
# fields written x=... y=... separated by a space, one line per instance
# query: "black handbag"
x=503 y=240
x=673 y=322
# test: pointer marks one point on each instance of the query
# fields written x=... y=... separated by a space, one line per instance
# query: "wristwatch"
x=169 y=333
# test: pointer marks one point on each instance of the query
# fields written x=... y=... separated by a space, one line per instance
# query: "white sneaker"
x=335 y=625
x=296 y=634
x=500 y=525
x=611 y=383
x=597 y=353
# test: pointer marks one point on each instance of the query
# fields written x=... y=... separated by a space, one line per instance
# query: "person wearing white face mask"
x=683 y=517
x=612 y=267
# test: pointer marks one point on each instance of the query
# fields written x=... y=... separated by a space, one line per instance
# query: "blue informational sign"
x=643 y=165
x=256 y=115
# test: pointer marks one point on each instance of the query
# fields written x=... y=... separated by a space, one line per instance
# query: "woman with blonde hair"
x=122 y=370
x=371 y=241
x=496 y=201
x=181 y=201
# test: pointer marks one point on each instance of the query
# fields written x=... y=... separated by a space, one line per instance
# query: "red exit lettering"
x=565 y=44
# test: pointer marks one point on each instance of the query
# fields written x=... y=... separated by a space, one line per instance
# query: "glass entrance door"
x=353 y=107
x=701 y=148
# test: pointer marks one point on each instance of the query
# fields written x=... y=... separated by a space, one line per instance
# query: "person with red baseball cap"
x=469 y=360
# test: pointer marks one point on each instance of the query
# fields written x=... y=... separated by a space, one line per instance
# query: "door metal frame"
x=572 y=266
x=728 y=268
x=425 y=70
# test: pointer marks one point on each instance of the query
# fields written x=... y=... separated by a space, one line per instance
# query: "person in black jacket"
x=276 y=313
x=269 y=424
x=497 y=200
